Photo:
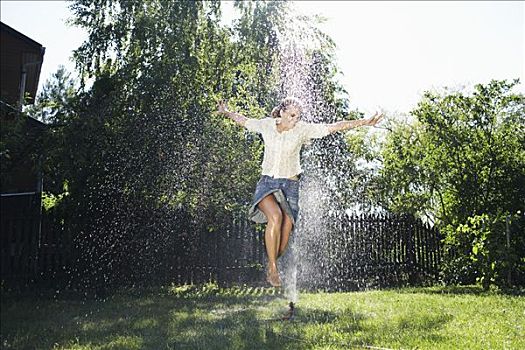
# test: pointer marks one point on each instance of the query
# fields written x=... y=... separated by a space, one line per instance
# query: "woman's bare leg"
x=286 y=230
x=272 y=235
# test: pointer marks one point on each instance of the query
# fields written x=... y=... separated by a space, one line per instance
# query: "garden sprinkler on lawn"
x=290 y=313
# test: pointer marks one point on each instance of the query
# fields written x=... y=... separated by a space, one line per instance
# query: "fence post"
x=410 y=246
x=509 y=272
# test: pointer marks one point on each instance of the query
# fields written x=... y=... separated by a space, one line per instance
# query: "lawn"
x=206 y=317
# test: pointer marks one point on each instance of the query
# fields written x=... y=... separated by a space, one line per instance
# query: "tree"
x=462 y=161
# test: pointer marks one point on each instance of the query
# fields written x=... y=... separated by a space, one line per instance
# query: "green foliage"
x=461 y=160
x=56 y=107
x=493 y=255
x=49 y=200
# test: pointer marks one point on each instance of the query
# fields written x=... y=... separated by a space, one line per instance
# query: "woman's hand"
x=373 y=120
x=222 y=108
x=350 y=124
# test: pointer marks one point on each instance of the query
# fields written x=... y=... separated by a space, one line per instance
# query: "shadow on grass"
x=162 y=321
x=152 y=321
x=204 y=319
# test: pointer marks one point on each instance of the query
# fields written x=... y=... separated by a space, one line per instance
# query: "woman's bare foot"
x=273 y=278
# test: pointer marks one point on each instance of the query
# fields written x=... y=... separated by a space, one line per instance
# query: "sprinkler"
x=290 y=313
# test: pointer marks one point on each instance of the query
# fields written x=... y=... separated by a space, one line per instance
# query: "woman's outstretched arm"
x=351 y=124
x=236 y=117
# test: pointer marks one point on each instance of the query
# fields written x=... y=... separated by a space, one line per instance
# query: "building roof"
x=18 y=54
x=20 y=36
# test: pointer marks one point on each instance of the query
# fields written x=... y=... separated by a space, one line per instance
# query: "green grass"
x=207 y=317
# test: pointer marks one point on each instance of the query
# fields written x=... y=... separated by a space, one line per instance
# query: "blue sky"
x=389 y=52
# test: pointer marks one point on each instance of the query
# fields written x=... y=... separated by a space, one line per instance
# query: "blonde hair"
x=288 y=101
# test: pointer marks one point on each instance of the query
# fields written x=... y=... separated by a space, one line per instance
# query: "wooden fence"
x=361 y=252
x=381 y=251
x=235 y=254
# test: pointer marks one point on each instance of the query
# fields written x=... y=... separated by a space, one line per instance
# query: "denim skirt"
x=286 y=192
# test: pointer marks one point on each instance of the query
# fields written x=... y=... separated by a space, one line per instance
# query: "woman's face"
x=291 y=114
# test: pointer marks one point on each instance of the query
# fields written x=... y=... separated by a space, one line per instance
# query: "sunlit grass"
x=208 y=317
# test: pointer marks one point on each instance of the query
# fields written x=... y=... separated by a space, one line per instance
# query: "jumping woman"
x=276 y=196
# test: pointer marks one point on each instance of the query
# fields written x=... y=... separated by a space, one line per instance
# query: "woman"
x=277 y=193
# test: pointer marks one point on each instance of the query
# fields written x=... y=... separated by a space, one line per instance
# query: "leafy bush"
x=496 y=244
